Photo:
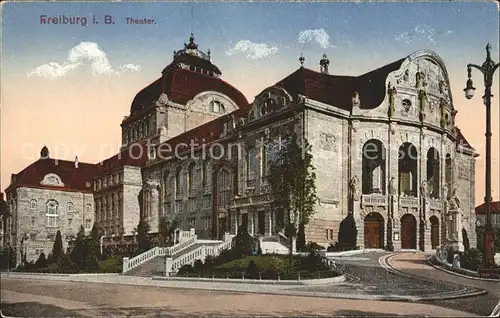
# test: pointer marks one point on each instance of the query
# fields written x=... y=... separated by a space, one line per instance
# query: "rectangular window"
x=327 y=234
x=331 y=234
x=88 y=222
x=70 y=222
x=33 y=237
x=51 y=221
x=251 y=164
x=33 y=221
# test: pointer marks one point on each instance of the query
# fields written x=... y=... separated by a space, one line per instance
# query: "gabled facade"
x=49 y=195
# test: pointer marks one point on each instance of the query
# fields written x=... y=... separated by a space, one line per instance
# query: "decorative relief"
x=463 y=173
x=392 y=91
x=327 y=141
x=162 y=100
x=52 y=179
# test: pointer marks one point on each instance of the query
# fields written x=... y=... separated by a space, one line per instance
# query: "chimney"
x=76 y=161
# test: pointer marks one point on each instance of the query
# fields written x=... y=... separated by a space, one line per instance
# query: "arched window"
x=433 y=173
x=69 y=207
x=52 y=213
x=178 y=172
x=373 y=162
x=33 y=204
x=407 y=162
x=191 y=175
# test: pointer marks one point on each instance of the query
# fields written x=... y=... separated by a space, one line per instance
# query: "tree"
x=243 y=243
x=301 y=237
x=293 y=184
x=80 y=249
x=57 y=249
x=95 y=242
x=143 y=242
x=41 y=262
x=165 y=230
x=347 y=232
x=466 y=241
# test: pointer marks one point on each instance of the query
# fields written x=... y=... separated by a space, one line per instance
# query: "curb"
x=458 y=274
x=386 y=264
x=309 y=282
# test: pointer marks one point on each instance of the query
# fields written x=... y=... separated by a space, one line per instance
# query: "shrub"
x=198 y=266
x=313 y=262
x=348 y=232
x=313 y=246
x=57 y=249
x=113 y=264
x=41 y=262
x=243 y=243
x=471 y=259
x=209 y=262
x=465 y=239
x=186 y=269
x=252 y=270
x=451 y=254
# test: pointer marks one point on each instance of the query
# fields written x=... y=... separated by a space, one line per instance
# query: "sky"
x=68 y=86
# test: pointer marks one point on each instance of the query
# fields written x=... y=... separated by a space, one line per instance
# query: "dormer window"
x=217 y=107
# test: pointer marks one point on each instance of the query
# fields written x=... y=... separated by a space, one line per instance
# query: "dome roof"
x=190 y=73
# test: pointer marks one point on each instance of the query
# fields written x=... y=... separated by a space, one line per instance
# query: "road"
x=62 y=298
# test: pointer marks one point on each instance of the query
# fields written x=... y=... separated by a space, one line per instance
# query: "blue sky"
x=365 y=30
x=88 y=75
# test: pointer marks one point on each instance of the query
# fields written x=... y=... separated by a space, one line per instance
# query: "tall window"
x=191 y=173
x=88 y=208
x=33 y=204
x=70 y=207
x=251 y=164
x=33 y=221
x=205 y=174
x=269 y=154
x=88 y=223
x=178 y=173
x=52 y=213
x=433 y=173
x=164 y=185
x=408 y=163
x=373 y=161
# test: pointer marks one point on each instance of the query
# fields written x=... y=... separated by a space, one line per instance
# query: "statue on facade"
x=424 y=189
x=406 y=76
x=445 y=191
x=392 y=186
x=356 y=102
x=163 y=131
x=355 y=188
x=392 y=91
x=420 y=79
x=454 y=201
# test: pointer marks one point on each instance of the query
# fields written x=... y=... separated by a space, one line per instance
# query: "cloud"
x=253 y=50
x=83 y=54
x=422 y=32
x=317 y=35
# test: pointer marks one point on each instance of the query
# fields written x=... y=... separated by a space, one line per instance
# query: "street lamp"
x=488 y=69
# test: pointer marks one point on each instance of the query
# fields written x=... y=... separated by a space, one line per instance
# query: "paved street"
x=117 y=295
x=63 y=298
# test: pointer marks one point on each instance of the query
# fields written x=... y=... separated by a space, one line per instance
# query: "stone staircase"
x=153 y=267
x=159 y=261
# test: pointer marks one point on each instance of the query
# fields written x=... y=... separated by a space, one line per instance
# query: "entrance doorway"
x=434 y=231
x=374 y=231
x=261 y=222
x=408 y=232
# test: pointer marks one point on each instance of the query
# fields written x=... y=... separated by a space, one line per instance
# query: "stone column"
x=168 y=266
x=125 y=263
x=251 y=222
x=270 y=217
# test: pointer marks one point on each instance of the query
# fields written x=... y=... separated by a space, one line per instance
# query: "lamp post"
x=488 y=69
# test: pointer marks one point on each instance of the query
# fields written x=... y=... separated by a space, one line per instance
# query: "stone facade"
x=33 y=225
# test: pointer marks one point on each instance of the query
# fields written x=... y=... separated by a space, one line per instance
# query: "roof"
x=202 y=134
x=461 y=140
x=135 y=154
x=74 y=179
x=494 y=208
x=338 y=90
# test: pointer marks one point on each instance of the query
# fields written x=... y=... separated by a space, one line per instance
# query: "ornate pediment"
x=52 y=179
x=271 y=100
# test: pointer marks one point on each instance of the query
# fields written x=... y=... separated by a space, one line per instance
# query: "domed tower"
x=188 y=94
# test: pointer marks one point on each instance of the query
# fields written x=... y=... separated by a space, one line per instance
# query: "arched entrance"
x=374 y=231
x=408 y=232
x=434 y=231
